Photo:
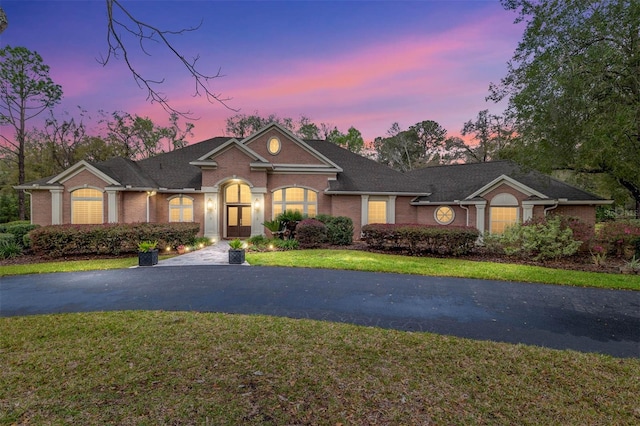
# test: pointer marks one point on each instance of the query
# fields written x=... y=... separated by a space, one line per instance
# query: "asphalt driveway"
x=582 y=319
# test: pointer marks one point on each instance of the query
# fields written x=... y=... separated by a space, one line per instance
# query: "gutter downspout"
x=546 y=210
x=30 y=205
x=466 y=209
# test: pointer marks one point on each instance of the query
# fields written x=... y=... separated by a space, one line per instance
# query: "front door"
x=238 y=221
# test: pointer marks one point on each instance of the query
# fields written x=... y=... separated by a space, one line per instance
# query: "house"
x=232 y=186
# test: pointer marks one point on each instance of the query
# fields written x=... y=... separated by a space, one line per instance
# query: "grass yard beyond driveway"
x=357 y=260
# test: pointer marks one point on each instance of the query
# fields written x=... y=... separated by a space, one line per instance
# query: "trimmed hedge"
x=420 y=239
x=311 y=233
x=339 y=229
x=66 y=240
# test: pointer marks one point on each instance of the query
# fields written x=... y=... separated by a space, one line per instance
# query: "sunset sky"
x=365 y=64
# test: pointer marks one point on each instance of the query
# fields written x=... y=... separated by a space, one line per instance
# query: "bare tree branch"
x=146 y=32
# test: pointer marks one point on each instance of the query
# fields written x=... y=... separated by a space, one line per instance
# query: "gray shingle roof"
x=172 y=170
x=457 y=182
x=361 y=174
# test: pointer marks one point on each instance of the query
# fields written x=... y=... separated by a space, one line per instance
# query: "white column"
x=212 y=215
x=257 y=213
x=364 y=210
x=391 y=209
x=527 y=212
x=112 y=207
x=56 y=206
x=480 y=212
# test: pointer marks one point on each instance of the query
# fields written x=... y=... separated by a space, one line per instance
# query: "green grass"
x=70 y=266
x=130 y=368
x=375 y=262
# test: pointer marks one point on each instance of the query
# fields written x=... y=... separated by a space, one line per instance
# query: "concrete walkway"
x=216 y=254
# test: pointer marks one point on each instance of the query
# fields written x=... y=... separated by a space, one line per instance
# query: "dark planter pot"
x=148 y=258
x=236 y=257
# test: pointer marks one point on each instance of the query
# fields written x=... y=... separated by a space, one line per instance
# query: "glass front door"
x=238 y=221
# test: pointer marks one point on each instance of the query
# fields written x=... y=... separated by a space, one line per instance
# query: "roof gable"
x=504 y=179
x=293 y=153
x=79 y=167
x=467 y=181
x=208 y=159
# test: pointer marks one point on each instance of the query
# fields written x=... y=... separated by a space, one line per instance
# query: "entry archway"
x=237 y=199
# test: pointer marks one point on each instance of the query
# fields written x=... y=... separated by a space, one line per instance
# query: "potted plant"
x=236 y=252
x=147 y=253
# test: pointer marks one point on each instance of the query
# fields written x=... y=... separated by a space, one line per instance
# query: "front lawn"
x=366 y=261
x=129 y=368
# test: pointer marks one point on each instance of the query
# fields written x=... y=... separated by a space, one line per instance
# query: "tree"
x=242 y=125
x=4 y=23
x=490 y=134
x=26 y=91
x=352 y=140
x=573 y=87
x=124 y=29
x=422 y=145
x=137 y=137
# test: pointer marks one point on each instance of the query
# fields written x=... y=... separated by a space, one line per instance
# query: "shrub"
x=20 y=229
x=9 y=249
x=619 y=236
x=199 y=242
x=7 y=237
x=420 y=239
x=285 y=244
x=258 y=241
x=541 y=239
x=289 y=220
x=339 y=229
x=65 y=240
x=311 y=233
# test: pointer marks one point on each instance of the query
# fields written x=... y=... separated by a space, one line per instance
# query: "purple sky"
x=346 y=63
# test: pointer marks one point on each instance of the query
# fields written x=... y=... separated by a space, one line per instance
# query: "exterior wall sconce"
x=256 y=205
x=209 y=205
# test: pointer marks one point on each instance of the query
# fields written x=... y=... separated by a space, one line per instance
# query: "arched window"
x=87 y=206
x=503 y=213
x=237 y=193
x=180 y=209
x=300 y=199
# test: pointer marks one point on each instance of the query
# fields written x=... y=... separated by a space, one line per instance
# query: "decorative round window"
x=444 y=215
x=273 y=145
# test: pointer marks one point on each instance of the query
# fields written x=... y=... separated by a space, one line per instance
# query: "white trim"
x=390 y=210
x=212 y=218
x=56 y=206
x=481 y=209
x=112 y=206
x=504 y=179
x=364 y=209
x=206 y=160
x=79 y=167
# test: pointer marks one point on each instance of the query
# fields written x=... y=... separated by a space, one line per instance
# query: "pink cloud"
x=443 y=78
